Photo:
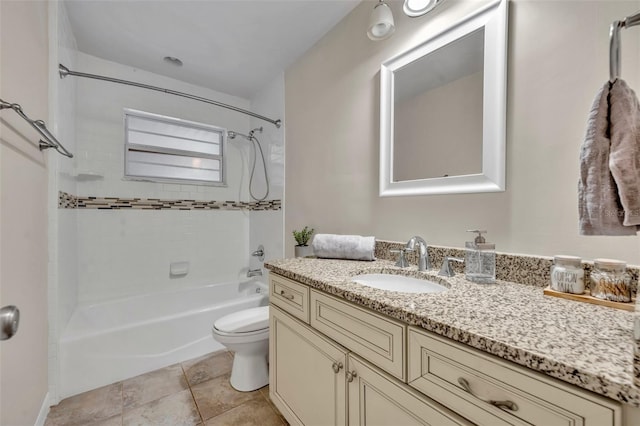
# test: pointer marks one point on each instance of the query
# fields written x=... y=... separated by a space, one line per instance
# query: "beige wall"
x=558 y=58
x=23 y=215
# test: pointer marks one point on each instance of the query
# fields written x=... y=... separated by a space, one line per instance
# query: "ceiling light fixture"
x=415 y=8
x=172 y=60
x=381 y=24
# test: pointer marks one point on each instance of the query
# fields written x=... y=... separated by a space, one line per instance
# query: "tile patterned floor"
x=193 y=393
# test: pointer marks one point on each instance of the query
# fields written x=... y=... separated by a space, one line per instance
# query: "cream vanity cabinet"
x=306 y=373
x=314 y=380
x=335 y=363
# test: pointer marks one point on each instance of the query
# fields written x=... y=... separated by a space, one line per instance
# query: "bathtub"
x=118 y=339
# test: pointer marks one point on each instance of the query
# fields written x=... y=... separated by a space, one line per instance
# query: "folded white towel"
x=354 y=247
x=598 y=202
x=624 y=157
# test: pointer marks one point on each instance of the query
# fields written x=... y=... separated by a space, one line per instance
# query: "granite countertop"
x=586 y=345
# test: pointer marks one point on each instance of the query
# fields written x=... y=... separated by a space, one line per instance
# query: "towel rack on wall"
x=614 y=43
x=64 y=71
x=49 y=141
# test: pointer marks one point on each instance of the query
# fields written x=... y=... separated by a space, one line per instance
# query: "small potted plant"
x=302 y=249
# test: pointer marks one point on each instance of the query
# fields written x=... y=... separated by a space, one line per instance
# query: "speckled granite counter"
x=585 y=345
x=636 y=335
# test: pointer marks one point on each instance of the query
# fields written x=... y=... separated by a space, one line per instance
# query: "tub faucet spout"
x=254 y=272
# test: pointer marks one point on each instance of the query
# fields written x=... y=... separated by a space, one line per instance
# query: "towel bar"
x=49 y=141
x=614 y=43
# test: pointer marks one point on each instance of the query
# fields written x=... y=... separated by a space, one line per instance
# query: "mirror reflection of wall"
x=438 y=112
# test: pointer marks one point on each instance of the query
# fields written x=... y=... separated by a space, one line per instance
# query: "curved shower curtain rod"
x=64 y=71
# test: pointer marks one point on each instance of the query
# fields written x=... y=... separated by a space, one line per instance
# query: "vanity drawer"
x=441 y=368
x=290 y=296
x=379 y=339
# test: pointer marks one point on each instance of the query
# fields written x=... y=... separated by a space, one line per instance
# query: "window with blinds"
x=166 y=149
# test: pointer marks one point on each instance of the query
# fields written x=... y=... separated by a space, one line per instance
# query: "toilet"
x=247 y=334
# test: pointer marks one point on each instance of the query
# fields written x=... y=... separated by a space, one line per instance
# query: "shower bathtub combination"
x=110 y=341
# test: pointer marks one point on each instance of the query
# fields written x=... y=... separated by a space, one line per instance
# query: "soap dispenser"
x=480 y=259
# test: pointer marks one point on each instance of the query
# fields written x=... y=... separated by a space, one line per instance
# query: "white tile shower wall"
x=128 y=252
x=62 y=268
x=270 y=102
x=124 y=252
x=266 y=227
x=100 y=131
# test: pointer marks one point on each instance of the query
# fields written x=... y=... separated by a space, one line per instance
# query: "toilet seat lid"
x=252 y=319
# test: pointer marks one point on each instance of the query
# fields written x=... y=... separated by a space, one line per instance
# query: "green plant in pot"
x=302 y=248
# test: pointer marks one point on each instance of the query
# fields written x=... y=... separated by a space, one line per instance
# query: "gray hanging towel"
x=599 y=206
x=624 y=157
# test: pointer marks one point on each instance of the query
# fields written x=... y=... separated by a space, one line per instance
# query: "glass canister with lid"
x=610 y=280
x=567 y=274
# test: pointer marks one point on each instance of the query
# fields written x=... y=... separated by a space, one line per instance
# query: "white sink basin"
x=400 y=283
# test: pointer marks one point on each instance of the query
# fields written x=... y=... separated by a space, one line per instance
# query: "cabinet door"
x=306 y=373
x=375 y=398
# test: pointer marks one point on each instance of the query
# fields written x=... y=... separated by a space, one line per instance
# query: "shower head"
x=233 y=135
x=257 y=129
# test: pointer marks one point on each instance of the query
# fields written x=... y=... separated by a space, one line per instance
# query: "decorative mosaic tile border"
x=69 y=201
x=530 y=270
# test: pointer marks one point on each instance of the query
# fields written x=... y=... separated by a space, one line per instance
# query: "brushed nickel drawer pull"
x=286 y=295
x=509 y=405
x=337 y=366
x=351 y=375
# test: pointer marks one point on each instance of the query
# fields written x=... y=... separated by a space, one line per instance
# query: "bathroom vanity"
x=344 y=353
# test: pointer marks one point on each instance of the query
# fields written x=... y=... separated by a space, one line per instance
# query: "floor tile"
x=89 y=407
x=174 y=410
x=154 y=385
x=216 y=396
x=253 y=413
x=264 y=391
x=111 y=421
x=207 y=367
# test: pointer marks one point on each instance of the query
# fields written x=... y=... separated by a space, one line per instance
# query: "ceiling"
x=232 y=46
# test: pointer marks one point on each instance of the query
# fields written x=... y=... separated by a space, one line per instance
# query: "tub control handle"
x=9 y=320
x=286 y=295
x=337 y=366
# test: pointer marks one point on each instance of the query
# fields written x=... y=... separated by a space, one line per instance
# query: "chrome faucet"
x=254 y=272
x=423 y=253
x=402 y=260
x=260 y=255
x=447 y=268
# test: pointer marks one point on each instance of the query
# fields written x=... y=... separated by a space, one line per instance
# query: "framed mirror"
x=443 y=110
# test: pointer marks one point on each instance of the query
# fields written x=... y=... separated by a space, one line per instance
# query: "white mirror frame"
x=493 y=18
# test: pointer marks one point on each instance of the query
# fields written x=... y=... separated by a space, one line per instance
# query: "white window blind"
x=166 y=149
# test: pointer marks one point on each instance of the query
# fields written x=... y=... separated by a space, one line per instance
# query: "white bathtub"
x=111 y=341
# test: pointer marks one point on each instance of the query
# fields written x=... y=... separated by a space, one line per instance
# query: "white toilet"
x=247 y=334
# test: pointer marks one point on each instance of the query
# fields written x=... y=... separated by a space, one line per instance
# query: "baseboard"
x=44 y=411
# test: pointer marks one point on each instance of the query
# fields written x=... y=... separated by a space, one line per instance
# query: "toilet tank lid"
x=252 y=319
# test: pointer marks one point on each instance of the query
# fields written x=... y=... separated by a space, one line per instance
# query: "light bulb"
x=381 y=23
x=415 y=8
